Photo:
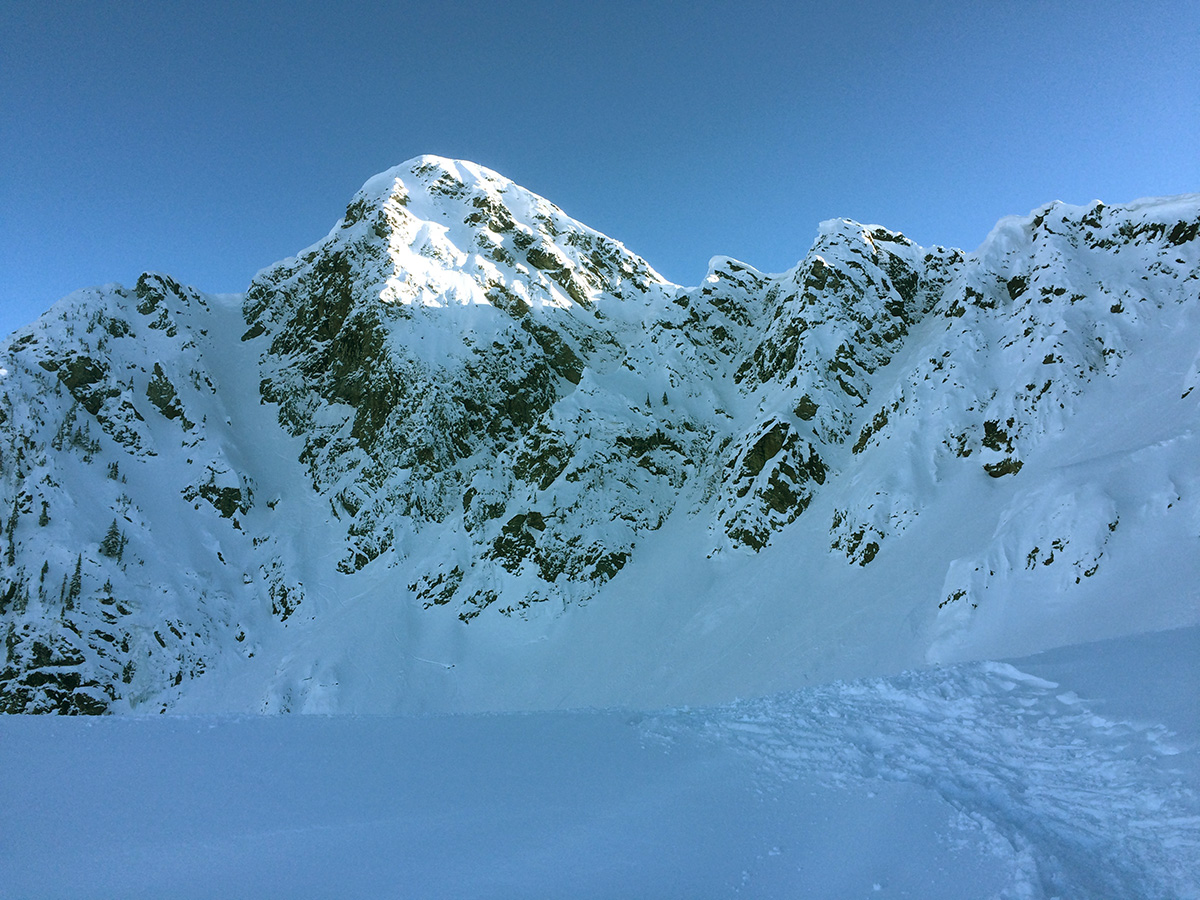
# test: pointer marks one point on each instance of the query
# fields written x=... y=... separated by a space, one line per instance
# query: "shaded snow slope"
x=1071 y=774
x=466 y=453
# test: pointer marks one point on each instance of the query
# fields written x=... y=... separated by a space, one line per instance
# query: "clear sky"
x=209 y=140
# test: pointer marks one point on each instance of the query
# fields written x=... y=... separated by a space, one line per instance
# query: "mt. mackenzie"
x=465 y=453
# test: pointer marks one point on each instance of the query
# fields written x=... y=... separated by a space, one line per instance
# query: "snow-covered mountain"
x=466 y=453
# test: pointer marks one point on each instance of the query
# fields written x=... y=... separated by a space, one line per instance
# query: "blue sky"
x=209 y=140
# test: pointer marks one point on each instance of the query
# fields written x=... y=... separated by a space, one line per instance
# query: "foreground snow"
x=1073 y=773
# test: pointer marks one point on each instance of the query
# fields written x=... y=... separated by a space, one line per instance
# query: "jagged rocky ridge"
x=466 y=405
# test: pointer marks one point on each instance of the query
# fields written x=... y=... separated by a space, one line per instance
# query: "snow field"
x=981 y=780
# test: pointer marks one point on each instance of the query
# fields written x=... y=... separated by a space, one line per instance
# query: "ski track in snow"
x=1083 y=806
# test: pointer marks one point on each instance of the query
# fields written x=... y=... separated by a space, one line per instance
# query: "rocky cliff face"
x=466 y=406
x=447 y=355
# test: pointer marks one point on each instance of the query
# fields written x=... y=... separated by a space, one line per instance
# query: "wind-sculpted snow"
x=408 y=458
x=1081 y=805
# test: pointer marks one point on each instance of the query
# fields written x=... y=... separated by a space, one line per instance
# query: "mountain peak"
x=446 y=218
x=434 y=174
x=391 y=476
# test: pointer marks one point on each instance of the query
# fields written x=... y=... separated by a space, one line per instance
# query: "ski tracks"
x=1086 y=806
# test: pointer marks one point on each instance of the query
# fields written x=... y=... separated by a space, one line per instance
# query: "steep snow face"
x=1058 y=362
x=125 y=482
x=466 y=453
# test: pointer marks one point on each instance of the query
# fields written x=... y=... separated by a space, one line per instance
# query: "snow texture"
x=981 y=780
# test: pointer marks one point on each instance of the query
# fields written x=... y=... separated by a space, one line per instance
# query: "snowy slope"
x=1070 y=774
x=465 y=453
